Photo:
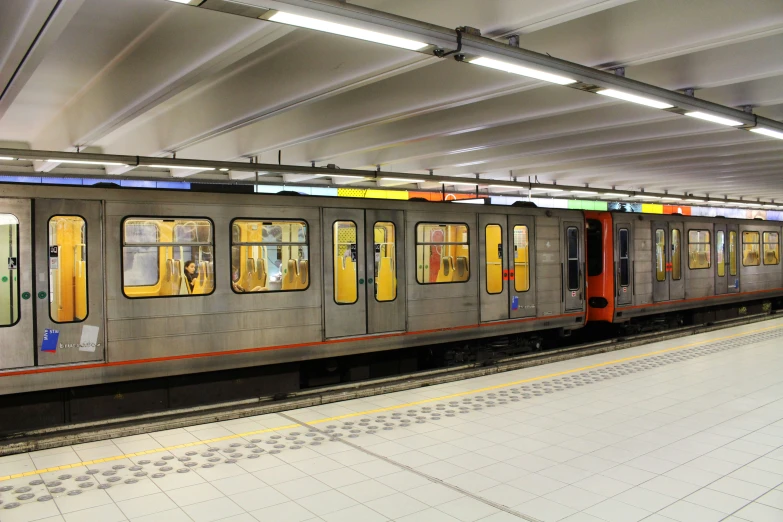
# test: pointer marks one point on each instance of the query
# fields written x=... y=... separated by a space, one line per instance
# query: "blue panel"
x=19 y=179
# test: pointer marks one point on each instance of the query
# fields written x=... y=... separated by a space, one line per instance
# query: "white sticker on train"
x=89 y=340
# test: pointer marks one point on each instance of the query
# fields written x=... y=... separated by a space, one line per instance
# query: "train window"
x=385 y=261
x=699 y=249
x=595 y=248
x=676 y=255
x=771 y=248
x=521 y=258
x=660 y=255
x=269 y=256
x=572 y=247
x=720 y=252
x=732 y=253
x=493 y=245
x=167 y=257
x=9 y=272
x=346 y=256
x=442 y=253
x=68 y=269
x=751 y=249
x=625 y=262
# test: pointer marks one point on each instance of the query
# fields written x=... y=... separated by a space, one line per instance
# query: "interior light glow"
x=223 y=170
x=178 y=167
x=633 y=98
x=404 y=180
x=588 y=192
x=346 y=30
x=768 y=132
x=6 y=158
x=714 y=119
x=85 y=162
x=540 y=189
x=522 y=71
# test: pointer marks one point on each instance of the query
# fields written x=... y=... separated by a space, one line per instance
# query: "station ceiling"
x=154 y=77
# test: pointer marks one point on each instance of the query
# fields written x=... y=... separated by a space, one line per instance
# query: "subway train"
x=109 y=285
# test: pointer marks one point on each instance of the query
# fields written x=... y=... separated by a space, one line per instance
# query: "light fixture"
x=510 y=187
x=541 y=189
x=85 y=162
x=768 y=132
x=586 y=192
x=180 y=1
x=346 y=30
x=6 y=158
x=671 y=198
x=224 y=170
x=404 y=180
x=713 y=118
x=348 y=176
x=641 y=100
x=770 y=206
x=644 y=196
x=178 y=167
x=458 y=183
x=613 y=195
x=694 y=200
x=522 y=71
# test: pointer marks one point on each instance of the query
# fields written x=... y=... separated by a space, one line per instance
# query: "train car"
x=643 y=265
x=106 y=285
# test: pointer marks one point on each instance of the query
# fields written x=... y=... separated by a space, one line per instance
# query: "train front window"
x=9 y=270
x=751 y=248
x=167 y=257
x=732 y=253
x=68 y=269
x=699 y=249
x=720 y=252
x=442 y=253
x=625 y=262
x=346 y=256
x=676 y=255
x=660 y=255
x=595 y=248
x=771 y=248
x=521 y=258
x=493 y=246
x=385 y=251
x=572 y=248
x=269 y=256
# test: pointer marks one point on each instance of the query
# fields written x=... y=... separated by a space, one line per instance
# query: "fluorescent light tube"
x=714 y=119
x=613 y=195
x=458 y=183
x=588 y=192
x=6 y=158
x=642 y=196
x=768 y=132
x=669 y=198
x=177 y=167
x=180 y=1
x=541 y=189
x=692 y=200
x=223 y=170
x=641 y=100
x=510 y=187
x=346 y=30
x=85 y=162
x=403 y=180
x=522 y=71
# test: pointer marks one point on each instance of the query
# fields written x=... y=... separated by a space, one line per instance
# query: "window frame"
x=764 y=244
x=486 y=263
x=396 y=261
x=735 y=271
x=627 y=256
x=720 y=253
x=679 y=252
x=164 y=218
x=658 y=251
x=334 y=266
x=709 y=247
x=568 y=260
x=86 y=261
x=759 y=243
x=18 y=269
x=416 y=245
x=231 y=245
x=529 y=264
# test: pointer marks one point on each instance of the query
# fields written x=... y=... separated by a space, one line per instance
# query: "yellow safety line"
x=380 y=410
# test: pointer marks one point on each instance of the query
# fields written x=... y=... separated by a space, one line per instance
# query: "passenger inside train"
x=190 y=275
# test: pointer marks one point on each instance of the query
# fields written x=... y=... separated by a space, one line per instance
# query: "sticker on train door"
x=573 y=294
x=89 y=340
x=54 y=257
x=515 y=302
x=12 y=263
x=50 y=338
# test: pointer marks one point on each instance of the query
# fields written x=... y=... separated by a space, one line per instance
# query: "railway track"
x=133 y=425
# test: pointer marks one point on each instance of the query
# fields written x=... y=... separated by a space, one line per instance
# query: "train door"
x=623 y=242
x=493 y=252
x=721 y=268
x=521 y=267
x=661 y=265
x=16 y=285
x=732 y=250
x=69 y=272
x=385 y=240
x=573 y=266
x=676 y=249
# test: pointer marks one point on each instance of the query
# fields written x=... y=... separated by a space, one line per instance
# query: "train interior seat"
x=462 y=272
x=751 y=258
x=303 y=278
x=290 y=276
x=446 y=273
x=770 y=258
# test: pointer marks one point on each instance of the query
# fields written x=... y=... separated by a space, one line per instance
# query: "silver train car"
x=109 y=285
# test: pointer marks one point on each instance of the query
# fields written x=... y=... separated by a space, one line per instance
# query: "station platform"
x=687 y=430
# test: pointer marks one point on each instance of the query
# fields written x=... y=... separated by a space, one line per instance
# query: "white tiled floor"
x=690 y=435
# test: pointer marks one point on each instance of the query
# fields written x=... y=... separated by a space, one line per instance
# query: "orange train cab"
x=600 y=266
